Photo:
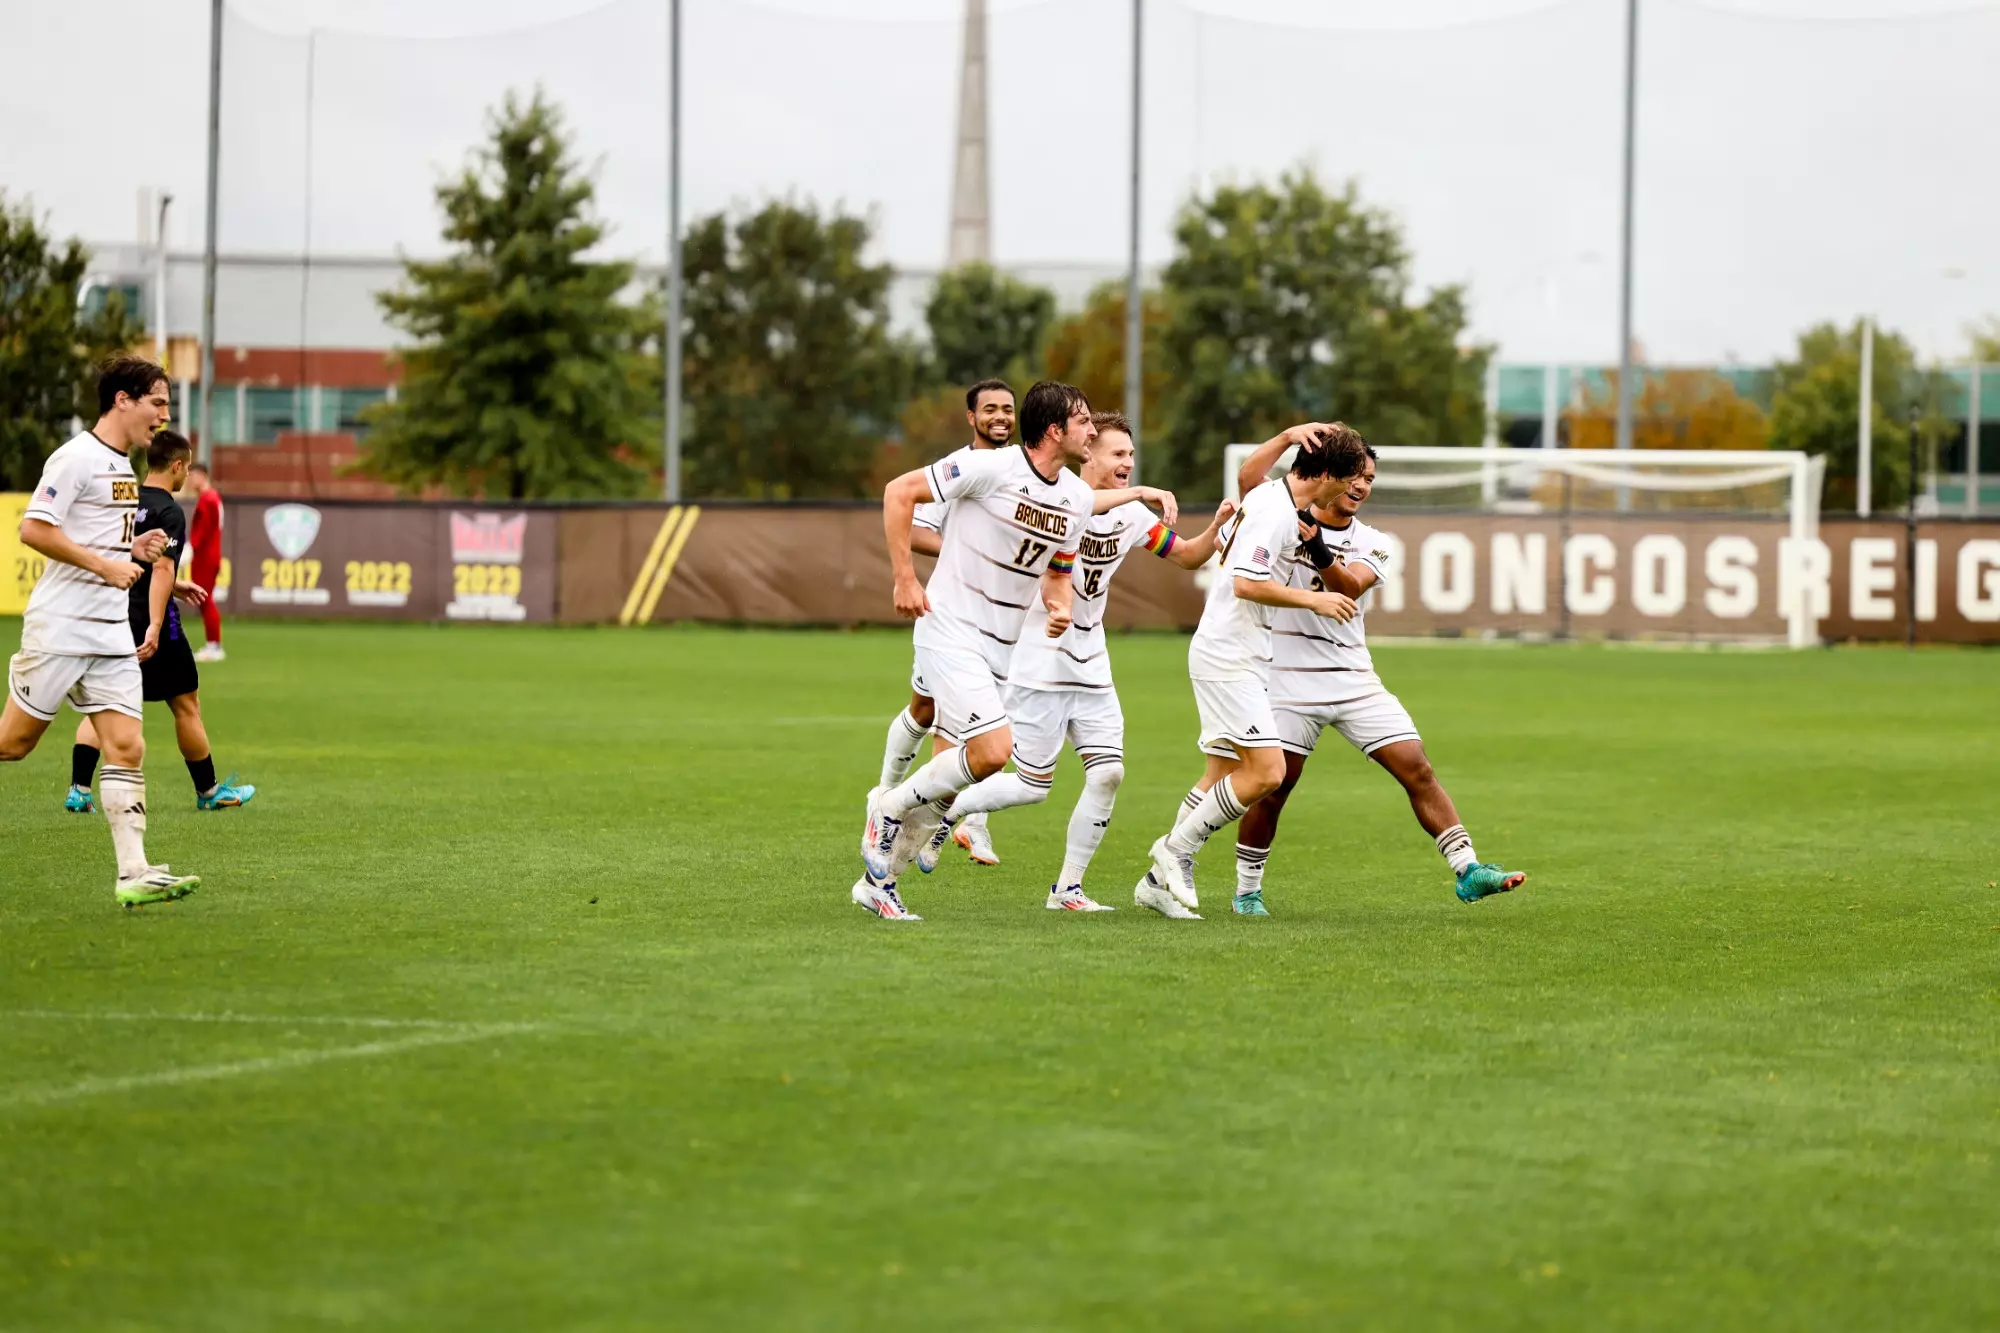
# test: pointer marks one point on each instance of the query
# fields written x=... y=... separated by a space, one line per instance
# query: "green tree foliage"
x=792 y=377
x=1986 y=340
x=529 y=377
x=48 y=350
x=1288 y=303
x=985 y=324
x=1087 y=349
x=1817 y=408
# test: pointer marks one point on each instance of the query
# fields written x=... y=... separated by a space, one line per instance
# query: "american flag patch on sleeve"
x=1260 y=556
x=49 y=492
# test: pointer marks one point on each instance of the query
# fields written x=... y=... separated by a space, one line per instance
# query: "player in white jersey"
x=1322 y=676
x=1060 y=688
x=1011 y=534
x=76 y=638
x=989 y=409
x=1231 y=651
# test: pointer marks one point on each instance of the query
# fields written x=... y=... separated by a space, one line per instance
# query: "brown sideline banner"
x=1594 y=575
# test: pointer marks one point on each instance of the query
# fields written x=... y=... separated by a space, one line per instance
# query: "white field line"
x=92 y=1087
x=282 y=1020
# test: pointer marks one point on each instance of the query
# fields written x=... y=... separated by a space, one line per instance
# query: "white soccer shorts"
x=1369 y=723
x=1235 y=715
x=966 y=692
x=917 y=682
x=1091 y=720
x=39 y=682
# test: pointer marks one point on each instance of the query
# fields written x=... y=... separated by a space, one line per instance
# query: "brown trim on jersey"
x=1011 y=606
x=997 y=639
x=1012 y=569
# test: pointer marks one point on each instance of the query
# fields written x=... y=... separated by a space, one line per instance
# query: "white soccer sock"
x=944 y=775
x=900 y=749
x=122 y=791
x=1455 y=845
x=1250 y=868
x=1219 y=806
x=1101 y=776
x=1001 y=791
x=977 y=819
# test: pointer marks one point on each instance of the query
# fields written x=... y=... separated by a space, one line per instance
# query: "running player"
x=1011 y=532
x=1060 y=688
x=1322 y=676
x=76 y=639
x=989 y=409
x=205 y=558
x=166 y=664
x=1231 y=650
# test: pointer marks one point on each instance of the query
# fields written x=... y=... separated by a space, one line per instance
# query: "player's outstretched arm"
x=1193 y=552
x=899 y=505
x=1258 y=465
x=48 y=539
x=1268 y=592
x=1161 y=502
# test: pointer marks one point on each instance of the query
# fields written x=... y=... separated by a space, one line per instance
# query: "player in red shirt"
x=205 y=557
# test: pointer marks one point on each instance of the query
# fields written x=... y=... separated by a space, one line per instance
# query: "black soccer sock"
x=202 y=770
x=82 y=765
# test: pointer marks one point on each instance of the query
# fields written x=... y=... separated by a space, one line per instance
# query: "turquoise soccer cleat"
x=1480 y=880
x=226 y=796
x=1251 y=904
x=80 y=801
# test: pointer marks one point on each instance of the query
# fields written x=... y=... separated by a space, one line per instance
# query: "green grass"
x=1729 y=1060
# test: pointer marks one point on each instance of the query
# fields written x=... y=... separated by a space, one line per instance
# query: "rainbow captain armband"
x=1062 y=562
x=1160 y=540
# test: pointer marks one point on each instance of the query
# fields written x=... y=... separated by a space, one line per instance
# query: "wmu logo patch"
x=291 y=528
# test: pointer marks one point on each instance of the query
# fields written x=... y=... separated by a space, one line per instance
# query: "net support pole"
x=1551 y=409
x=206 y=416
x=1135 y=326
x=1972 y=415
x=1910 y=542
x=670 y=347
x=1801 y=628
x=1864 y=445
x=1625 y=243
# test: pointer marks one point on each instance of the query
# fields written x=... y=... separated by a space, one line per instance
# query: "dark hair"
x=1048 y=404
x=985 y=386
x=167 y=448
x=198 y=466
x=133 y=376
x=1111 y=421
x=1342 y=453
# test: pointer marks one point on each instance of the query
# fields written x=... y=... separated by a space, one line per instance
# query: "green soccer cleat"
x=1251 y=904
x=1480 y=880
x=80 y=801
x=226 y=796
x=157 y=885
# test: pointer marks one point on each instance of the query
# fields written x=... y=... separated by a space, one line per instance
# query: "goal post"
x=1621 y=522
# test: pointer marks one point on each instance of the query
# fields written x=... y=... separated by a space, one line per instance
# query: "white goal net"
x=1640 y=543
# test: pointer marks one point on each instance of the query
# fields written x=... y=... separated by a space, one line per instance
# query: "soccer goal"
x=1648 y=542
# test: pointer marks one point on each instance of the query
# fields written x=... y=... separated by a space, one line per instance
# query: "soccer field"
x=528 y=994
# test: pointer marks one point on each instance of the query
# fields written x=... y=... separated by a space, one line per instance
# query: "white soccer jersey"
x=1080 y=659
x=932 y=515
x=1233 y=640
x=1315 y=660
x=1005 y=524
x=88 y=491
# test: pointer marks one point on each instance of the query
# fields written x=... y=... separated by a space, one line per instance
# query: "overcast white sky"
x=1798 y=159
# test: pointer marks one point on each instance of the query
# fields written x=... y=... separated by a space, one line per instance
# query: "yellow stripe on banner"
x=19 y=566
x=645 y=578
x=667 y=564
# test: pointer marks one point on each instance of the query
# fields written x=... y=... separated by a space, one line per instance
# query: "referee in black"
x=166 y=663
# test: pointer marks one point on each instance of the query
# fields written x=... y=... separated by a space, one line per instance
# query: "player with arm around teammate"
x=1059 y=687
x=1230 y=654
x=76 y=637
x=166 y=663
x=1322 y=676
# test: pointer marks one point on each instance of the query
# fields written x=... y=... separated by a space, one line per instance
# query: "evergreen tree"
x=530 y=375
x=48 y=350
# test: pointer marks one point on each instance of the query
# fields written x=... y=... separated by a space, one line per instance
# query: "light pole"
x=1134 y=314
x=670 y=352
x=1625 y=253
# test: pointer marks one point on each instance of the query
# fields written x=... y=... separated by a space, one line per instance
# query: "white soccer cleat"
x=878 y=840
x=1175 y=873
x=209 y=652
x=1074 y=899
x=882 y=900
x=1150 y=894
x=157 y=885
x=971 y=834
x=932 y=849
x=918 y=827
x=873 y=794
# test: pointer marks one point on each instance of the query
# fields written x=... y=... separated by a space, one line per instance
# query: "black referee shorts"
x=170 y=672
